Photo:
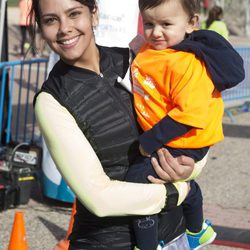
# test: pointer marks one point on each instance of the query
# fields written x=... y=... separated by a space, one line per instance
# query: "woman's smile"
x=68 y=43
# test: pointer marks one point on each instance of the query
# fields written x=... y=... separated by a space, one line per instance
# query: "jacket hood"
x=223 y=62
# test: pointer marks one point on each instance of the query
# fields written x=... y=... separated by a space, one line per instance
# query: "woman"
x=214 y=22
x=88 y=123
x=24 y=7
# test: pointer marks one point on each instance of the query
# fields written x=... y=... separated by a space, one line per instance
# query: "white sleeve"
x=198 y=167
x=82 y=170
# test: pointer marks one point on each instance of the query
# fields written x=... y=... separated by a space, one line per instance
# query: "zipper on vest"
x=130 y=116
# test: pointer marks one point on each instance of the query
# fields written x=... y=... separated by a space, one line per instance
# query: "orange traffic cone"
x=18 y=236
x=64 y=243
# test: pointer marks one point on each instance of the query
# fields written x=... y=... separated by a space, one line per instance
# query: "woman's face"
x=67 y=27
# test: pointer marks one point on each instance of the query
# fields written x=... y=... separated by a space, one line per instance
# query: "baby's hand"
x=143 y=152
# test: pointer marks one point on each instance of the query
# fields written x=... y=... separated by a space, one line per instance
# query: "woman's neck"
x=90 y=61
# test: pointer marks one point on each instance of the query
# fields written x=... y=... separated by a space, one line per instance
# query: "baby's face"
x=166 y=24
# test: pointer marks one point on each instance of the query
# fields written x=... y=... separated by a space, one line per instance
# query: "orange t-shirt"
x=177 y=84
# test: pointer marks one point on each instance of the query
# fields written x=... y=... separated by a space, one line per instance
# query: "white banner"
x=118 y=22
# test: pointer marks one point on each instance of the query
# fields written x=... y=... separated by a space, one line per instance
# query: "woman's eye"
x=50 y=20
x=74 y=13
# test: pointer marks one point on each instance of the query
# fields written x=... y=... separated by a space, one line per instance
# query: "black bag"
x=18 y=169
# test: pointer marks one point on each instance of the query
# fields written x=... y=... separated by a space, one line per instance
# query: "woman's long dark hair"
x=215 y=14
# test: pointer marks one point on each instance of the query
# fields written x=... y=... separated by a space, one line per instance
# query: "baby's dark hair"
x=191 y=6
x=35 y=17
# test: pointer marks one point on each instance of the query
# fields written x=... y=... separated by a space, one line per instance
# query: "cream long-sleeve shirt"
x=82 y=170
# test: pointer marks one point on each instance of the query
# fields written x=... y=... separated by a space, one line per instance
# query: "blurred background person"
x=205 y=6
x=24 y=24
x=214 y=22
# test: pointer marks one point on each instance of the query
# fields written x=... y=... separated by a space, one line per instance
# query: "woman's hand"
x=170 y=169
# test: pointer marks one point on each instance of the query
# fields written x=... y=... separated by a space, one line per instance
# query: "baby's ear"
x=193 y=23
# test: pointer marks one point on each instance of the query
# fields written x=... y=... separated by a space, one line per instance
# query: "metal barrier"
x=242 y=90
x=20 y=80
x=240 y=94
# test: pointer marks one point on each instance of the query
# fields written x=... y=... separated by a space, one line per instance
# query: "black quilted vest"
x=101 y=107
x=103 y=110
